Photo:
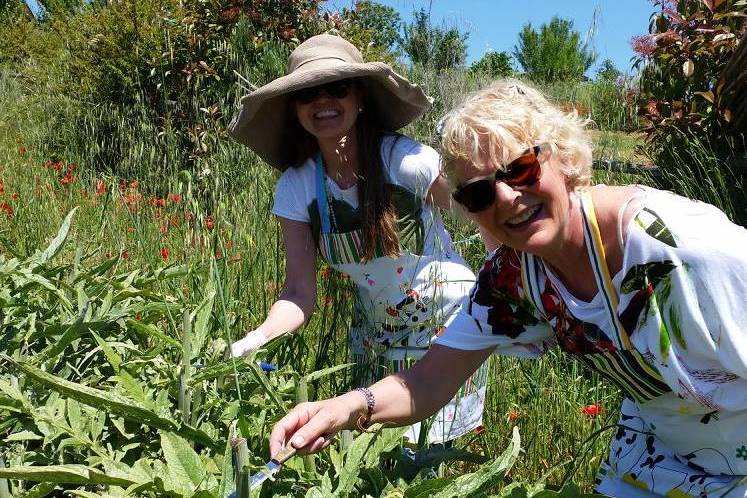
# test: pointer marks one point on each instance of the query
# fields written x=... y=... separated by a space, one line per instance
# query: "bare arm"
x=296 y=302
x=401 y=399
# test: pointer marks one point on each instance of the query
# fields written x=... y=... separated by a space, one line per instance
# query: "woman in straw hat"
x=641 y=285
x=363 y=196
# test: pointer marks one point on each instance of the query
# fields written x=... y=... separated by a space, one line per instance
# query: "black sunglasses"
x=478 y=193
x=336 y=89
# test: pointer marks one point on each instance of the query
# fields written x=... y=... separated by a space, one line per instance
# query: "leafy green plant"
x=431 y=46
x=554 y=53
x=688 y=44
x=494 y=64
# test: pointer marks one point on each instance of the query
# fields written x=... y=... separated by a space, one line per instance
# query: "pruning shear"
x=270 y=469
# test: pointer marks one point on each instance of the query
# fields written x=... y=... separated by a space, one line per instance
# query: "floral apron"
x=644 y=460
x=402 y=304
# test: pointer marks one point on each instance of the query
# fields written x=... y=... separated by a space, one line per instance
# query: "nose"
x=505 y=195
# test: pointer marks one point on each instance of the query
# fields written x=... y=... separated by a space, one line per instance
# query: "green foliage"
x=380 y=21
x=554 y=53
x=435 y=47
x=608 y=72
x=494 y=65
x=688 y=45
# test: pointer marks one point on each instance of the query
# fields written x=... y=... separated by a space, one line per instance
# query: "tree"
x=607 y=71
x=553 y=53
x=494 y=64
x=437 y=47
x=381 y=21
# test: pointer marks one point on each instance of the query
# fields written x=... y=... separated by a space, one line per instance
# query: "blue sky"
x=495 y=24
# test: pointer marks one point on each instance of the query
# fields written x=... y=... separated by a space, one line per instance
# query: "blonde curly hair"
x=499 y=122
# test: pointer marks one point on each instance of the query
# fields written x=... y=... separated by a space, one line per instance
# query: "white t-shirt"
x=407 y=164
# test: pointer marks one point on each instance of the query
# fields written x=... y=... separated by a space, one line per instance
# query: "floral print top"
x=681 y=361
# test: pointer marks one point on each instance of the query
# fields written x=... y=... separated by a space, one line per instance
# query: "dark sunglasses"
x=478 y=193
x=336 y=89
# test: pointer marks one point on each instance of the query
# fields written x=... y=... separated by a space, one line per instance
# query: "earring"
x=360 y=109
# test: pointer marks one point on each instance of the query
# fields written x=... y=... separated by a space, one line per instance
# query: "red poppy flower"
x=2 y=187
x=165 y=253
x=209 y=223
x=67 y=179
x=513 y=415
x=100 y=187
x=592 y=411
x=325 y=272
x=175 y=198
x=55 y=165
x=164 y=228
x=6 y=208
x=15 y=196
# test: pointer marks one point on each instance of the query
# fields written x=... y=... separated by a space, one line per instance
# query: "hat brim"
x=263 y=116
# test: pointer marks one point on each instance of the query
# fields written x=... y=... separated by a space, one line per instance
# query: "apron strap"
x=530 y=282
x=321 y=196
x=595 y=249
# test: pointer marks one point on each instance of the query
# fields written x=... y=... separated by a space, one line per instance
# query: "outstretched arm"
x=401 y=399
x=296 y=302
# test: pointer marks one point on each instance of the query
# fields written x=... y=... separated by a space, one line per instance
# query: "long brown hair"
x=374 y=193
x=379 y=218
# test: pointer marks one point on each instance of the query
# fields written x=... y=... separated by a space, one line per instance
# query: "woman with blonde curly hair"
x=641 y=285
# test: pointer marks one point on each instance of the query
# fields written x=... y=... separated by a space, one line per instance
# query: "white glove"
x=252 y=342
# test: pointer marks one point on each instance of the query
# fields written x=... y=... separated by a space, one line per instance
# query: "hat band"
x=318 y=59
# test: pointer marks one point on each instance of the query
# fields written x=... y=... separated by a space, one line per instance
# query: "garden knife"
x=270 y=469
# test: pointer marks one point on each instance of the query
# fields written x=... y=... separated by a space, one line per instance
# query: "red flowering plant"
x=592 y=411
x=681 y=61
x=6 y=208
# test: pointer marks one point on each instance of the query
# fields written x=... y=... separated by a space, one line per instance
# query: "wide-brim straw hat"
x=263 y=118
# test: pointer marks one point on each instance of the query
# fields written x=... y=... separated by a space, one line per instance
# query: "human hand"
x=309 y=427
x=251 y=342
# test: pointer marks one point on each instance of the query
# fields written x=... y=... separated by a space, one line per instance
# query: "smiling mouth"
x=524 y=217
x=326 y=114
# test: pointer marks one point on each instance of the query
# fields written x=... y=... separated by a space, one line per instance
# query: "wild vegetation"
x=136 y=243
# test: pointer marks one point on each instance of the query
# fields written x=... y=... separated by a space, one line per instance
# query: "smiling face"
x=329 y=118
x=532 y=218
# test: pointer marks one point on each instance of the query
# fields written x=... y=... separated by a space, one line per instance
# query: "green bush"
x=689 y=136
x=554 y=53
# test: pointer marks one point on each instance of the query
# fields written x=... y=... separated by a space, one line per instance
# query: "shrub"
x=681 y=61
x=554 y=53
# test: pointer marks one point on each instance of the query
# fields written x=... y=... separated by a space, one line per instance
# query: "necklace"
x=324 y=200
